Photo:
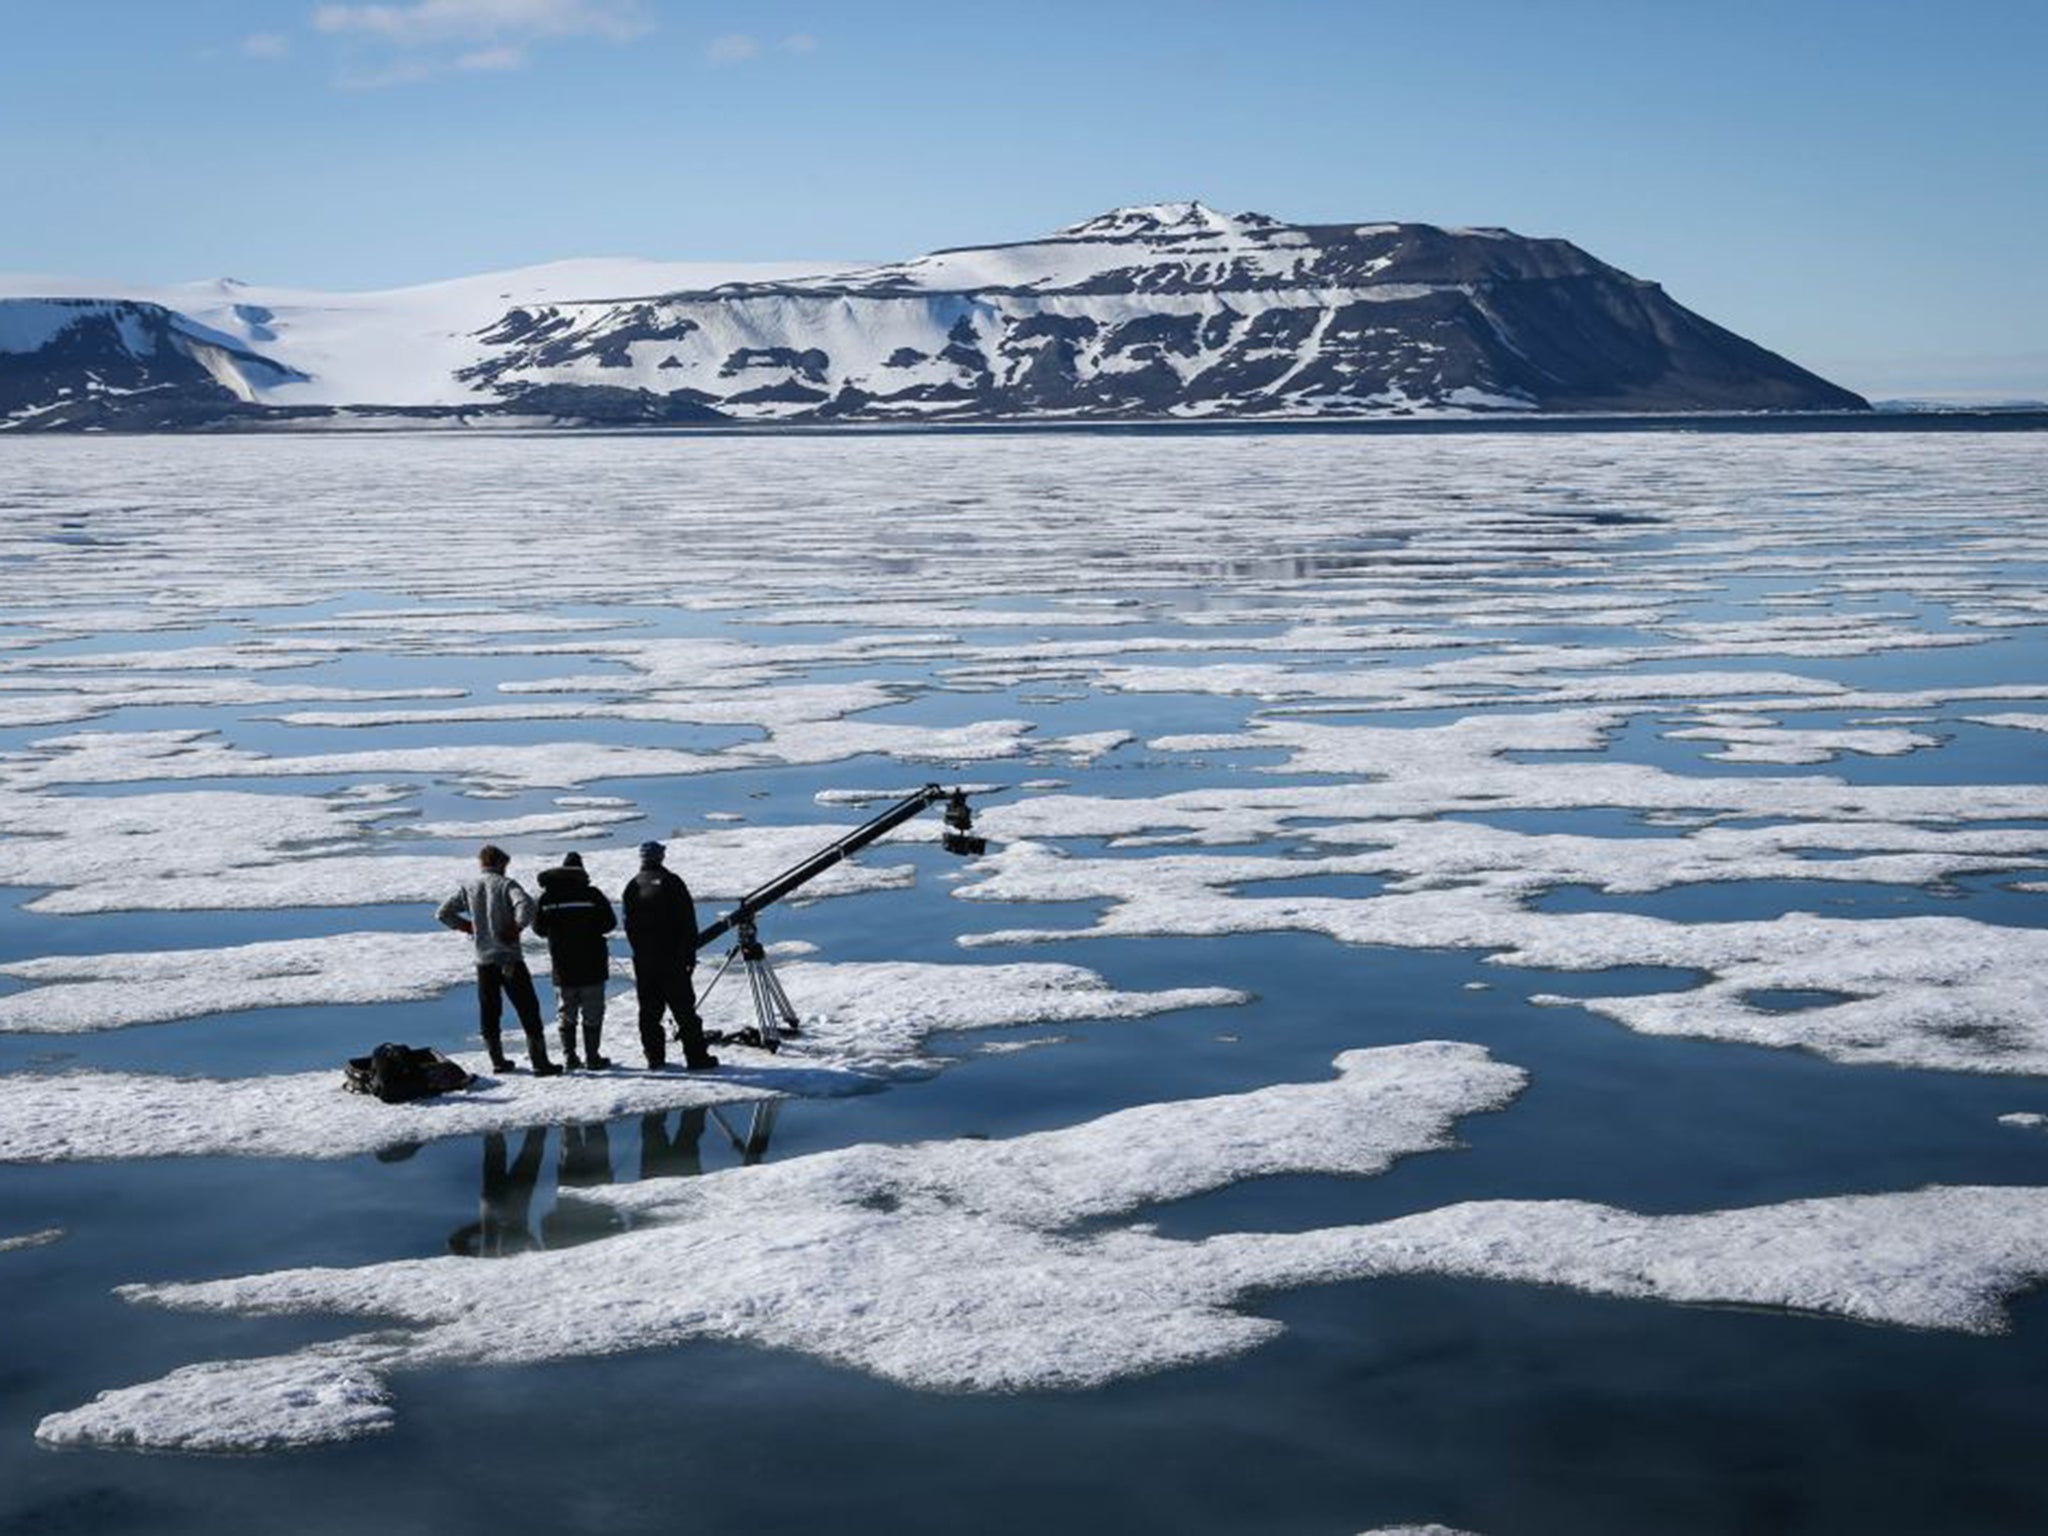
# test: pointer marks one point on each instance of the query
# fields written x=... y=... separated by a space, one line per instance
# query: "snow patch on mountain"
x=398 y=346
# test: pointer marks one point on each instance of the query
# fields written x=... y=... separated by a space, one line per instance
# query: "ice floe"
x=863 y=1024
x=39 y=1239
x=967 y=1265
x=224 y=851
x=946 y=1264
x=1751 y=742
x=308 y=1398
x=1937 y=992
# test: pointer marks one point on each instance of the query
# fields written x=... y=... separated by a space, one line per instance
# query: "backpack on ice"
x=396 y=1073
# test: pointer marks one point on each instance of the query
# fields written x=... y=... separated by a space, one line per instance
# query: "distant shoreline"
x=1779 y=421
x=426 y=421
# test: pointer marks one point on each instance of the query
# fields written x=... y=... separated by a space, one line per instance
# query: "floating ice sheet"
x=965 y=1265
x=939 y=1265
x=864 y=1024
x=210 y=851
x=1934 y=992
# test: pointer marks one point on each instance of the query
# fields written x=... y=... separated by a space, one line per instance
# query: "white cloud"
x=733 y=48
x=427 y=22
x=430 y=37
x=266 y=45
x=800 y=42
x=504 y=56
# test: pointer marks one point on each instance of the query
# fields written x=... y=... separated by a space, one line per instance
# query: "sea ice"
x=864 y=1024
x=946 y=1264
x=218 y=852
x=966 y=1265
x=309 y=1398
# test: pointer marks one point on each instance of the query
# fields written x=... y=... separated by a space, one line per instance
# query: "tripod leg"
x=760 y=979
x=783 y=1008
x=737 y=1144
x=760 y=1127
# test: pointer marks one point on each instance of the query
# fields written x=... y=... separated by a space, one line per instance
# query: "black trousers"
x=664 y=984
x=495 y=983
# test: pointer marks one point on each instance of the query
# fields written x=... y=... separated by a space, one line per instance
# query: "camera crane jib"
x=774 y=1015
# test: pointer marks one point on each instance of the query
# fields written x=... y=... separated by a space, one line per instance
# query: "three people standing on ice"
x=574 y=917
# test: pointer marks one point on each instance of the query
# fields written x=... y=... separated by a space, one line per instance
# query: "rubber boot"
x=690 y=1030
x=570 y=1063
x=495 y=1044
x=592 y=1033
x=537 y=1053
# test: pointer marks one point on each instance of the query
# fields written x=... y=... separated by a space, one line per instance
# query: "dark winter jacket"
x=661 y=920
x=574 y=916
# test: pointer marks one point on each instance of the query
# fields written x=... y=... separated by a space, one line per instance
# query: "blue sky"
x=1861 y=186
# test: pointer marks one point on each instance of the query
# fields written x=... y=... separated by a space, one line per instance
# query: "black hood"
x=563 y=879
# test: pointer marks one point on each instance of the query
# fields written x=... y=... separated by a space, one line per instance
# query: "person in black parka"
x=574 y=916
x=661 y=925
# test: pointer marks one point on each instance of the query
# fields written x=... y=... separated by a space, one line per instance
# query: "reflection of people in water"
x=586 y=1155
x=753 y=1146
x=666 y=1157
x=585 y=1163
x=502 y=1226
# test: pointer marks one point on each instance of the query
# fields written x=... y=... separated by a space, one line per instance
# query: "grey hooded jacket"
x=497 y=907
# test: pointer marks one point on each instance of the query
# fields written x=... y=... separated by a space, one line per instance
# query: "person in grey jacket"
x=492 y=908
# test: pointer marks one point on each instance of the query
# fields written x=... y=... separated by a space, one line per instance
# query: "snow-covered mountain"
x=1169 y=310
x=95 y=362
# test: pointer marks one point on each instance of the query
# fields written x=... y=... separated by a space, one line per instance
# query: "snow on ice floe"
x=24 y=704
x=313 y=1397
x=942 y=1265
x=81 y=994
x=1755 y=742
x=1940 y=993
x=2012 y=721
x=864 y=1024
x=993 y=1266
x=208 y=851
x=40 y=1239
x=1943 y=992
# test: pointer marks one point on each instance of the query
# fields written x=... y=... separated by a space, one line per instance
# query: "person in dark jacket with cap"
x=661 y=925
x=574 y=916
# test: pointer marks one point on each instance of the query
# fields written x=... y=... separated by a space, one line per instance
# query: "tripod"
x=773 y=1013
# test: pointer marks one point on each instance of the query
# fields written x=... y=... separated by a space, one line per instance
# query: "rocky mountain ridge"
x=1167 y=311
